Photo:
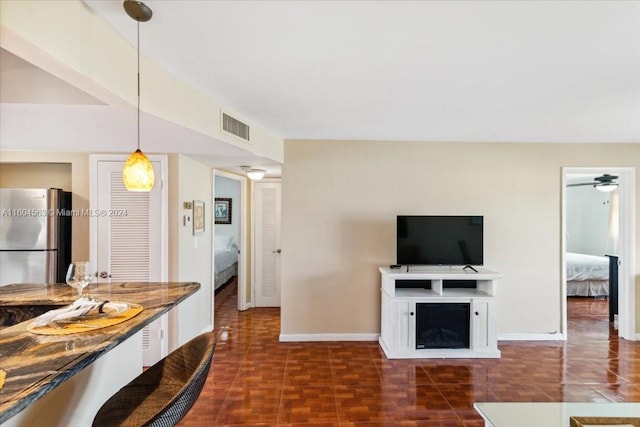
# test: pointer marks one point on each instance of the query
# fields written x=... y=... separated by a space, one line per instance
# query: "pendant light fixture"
x=137 y=173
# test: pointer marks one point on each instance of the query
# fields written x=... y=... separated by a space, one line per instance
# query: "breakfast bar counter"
x=100 y=360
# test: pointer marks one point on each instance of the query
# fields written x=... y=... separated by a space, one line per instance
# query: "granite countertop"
x=36 y=364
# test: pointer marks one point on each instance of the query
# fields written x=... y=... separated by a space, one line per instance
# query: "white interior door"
x=129 y=239
x=266 y=237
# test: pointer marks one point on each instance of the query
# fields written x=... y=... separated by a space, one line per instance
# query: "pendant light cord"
x=138 y=21
x=137 y=172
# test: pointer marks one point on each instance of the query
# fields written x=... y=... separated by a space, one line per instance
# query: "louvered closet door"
x=129 y=239
x=266 y=211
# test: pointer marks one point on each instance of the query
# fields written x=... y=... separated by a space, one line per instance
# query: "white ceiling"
x=520 y=71
x=514 y=71
x=23 y=83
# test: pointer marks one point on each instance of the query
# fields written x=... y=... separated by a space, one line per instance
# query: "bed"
x=225 y=258
x=587 y=275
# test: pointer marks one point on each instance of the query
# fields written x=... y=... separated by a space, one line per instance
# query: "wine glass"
x=79 y=276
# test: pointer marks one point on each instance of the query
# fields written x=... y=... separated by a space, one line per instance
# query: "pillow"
x=222 y=242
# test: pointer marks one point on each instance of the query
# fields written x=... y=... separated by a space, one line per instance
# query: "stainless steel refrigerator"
x=35 y=235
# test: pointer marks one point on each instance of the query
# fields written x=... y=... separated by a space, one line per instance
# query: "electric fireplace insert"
x=442 y=325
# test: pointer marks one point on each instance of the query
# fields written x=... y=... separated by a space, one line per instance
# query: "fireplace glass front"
x=442 y=325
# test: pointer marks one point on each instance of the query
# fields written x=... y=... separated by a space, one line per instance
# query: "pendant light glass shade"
x=138 y=172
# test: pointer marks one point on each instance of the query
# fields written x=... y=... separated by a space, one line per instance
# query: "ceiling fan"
x=603 y=183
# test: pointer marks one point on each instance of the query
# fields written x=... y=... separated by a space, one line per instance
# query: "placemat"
x=88 y=323
x=3 y=376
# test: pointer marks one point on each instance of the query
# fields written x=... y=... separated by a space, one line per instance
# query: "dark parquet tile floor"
x=257 y=381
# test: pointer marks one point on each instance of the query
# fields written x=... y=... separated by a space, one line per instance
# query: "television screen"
x=439 y=240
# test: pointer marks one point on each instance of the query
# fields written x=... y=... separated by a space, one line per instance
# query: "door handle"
x=104 y=275
x=277 y=251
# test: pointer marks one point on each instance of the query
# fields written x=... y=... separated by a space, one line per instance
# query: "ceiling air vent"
x=235 y=127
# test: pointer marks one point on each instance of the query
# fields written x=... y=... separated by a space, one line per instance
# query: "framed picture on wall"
x=198 y=217
x=222 y=210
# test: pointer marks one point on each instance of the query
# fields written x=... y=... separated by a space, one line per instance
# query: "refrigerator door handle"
x=51 y=266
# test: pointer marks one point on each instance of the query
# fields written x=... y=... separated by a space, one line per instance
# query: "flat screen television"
x=439 y=240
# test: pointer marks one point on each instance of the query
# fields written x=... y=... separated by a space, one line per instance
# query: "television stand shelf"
x=415 y=302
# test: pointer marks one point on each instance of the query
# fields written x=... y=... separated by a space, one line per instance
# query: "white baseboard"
x=327 y=337
x=374 y=337
x=206 y=329
x=556 y=336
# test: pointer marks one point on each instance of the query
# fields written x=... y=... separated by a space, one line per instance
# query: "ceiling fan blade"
x=581 y=184
x=602 y=180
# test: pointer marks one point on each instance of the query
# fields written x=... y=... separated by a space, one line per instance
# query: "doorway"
x=230 y=236
x=618 y=242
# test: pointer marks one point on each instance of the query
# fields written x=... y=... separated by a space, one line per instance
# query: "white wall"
x=340 y=200
x=588 y=212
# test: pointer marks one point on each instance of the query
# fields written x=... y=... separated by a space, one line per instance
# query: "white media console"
x=411 y=299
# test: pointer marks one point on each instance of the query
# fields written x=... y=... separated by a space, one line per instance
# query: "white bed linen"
x=225 y=252
x=225 y=258
x=225 y=275
x=588 y=288
x=586 y=267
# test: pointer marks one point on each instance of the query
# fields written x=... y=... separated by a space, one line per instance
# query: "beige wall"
x=35 y=175
x=191 y=255
x=340 y=200
x=69 y=171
